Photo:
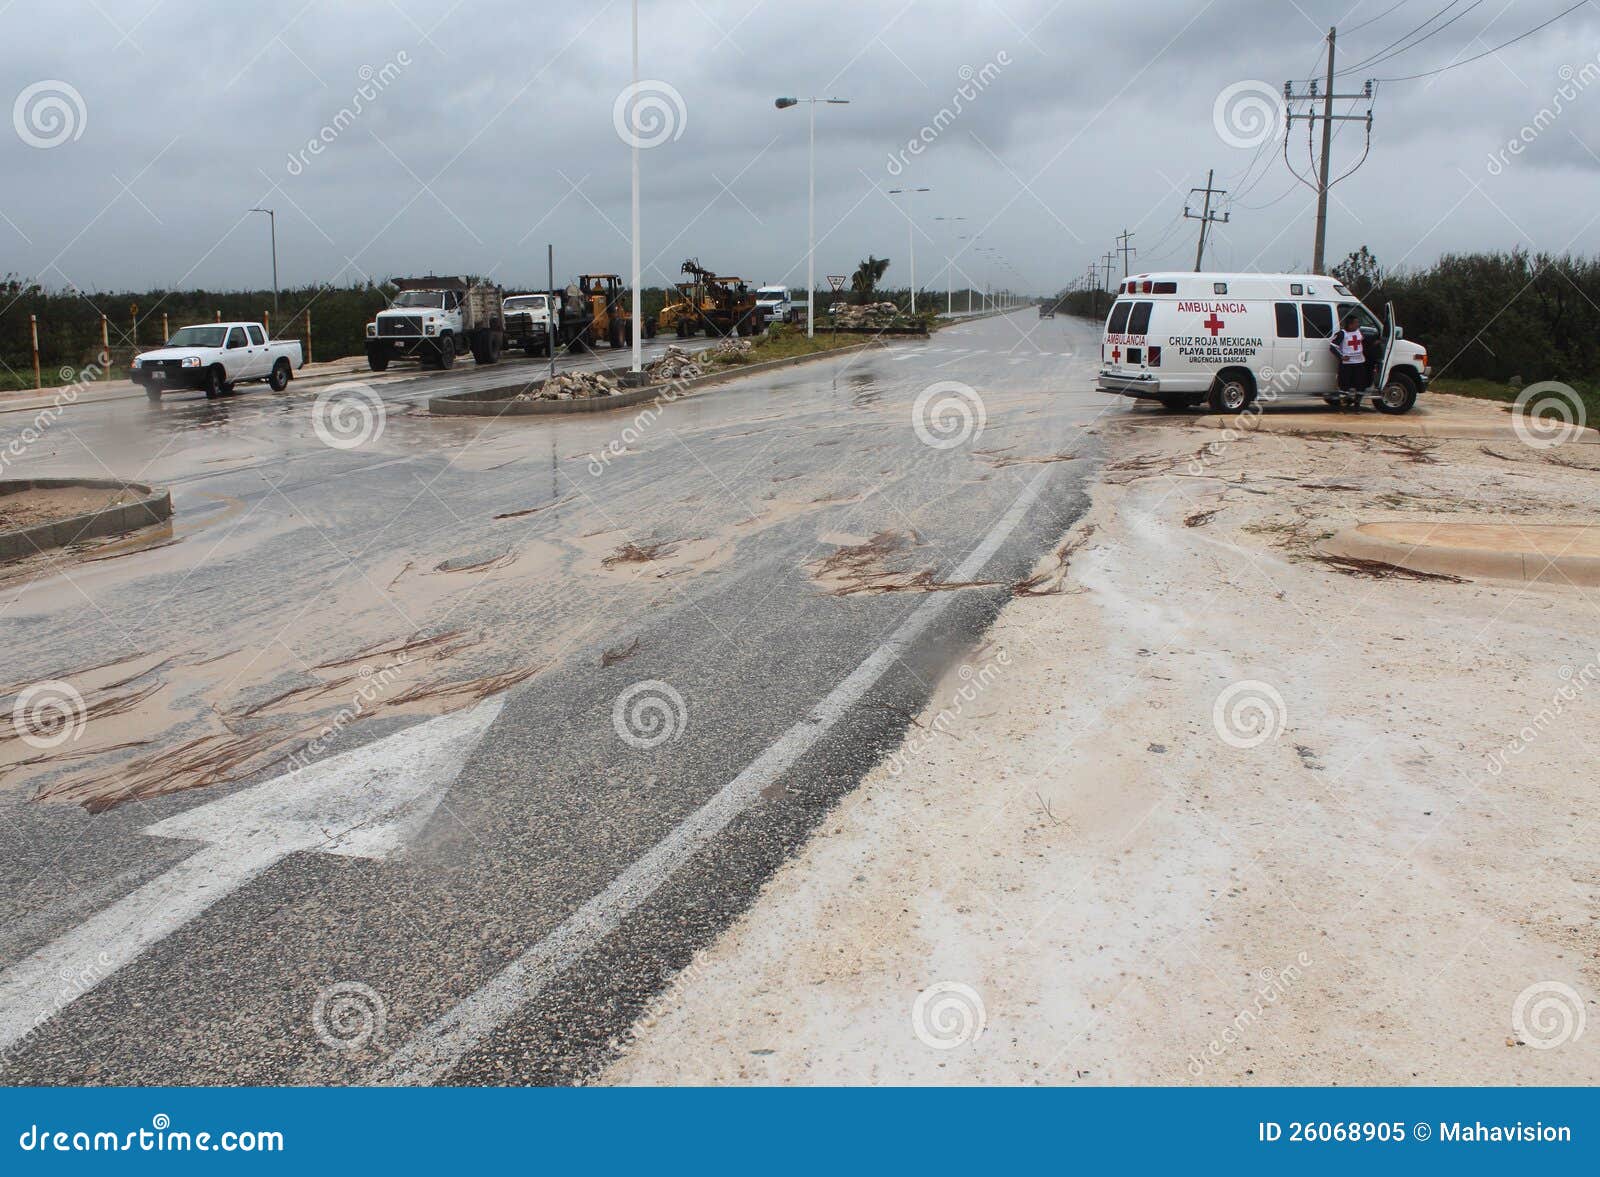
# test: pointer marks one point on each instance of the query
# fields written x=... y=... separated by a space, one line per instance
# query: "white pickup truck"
x=215 y=357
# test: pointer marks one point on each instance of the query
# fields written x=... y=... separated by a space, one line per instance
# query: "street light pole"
x=636 y=320
x=911 y=241
x=811 y=200
x=949 y=277
x=272 y=220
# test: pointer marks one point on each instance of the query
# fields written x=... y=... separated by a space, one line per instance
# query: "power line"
x=1376 y=19
x=1420 y=40
x=1407 y=36
x=1327 y=99
x=1490 y=52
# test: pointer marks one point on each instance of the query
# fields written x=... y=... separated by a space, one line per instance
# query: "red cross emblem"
x=1213 y=324
x=1116 y=354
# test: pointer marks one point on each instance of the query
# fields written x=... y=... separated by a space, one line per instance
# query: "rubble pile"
x=571 y=386
x=731 y=348
x=675 y=364
x=873 y=314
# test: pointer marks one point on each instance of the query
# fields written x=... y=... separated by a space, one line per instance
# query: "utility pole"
x=1125 y=249
x=1105 y=262
x=1206 y=217
x=1318 y=253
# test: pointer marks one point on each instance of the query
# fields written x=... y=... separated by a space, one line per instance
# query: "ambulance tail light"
x=1144 y=287
x=1152 y=356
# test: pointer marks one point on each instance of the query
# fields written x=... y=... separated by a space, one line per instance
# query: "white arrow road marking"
x=439 y=1046
x=367 y=802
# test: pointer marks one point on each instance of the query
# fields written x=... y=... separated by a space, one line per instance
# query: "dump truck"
x=435 y=319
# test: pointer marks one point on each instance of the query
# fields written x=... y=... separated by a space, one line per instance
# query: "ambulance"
x=1227 y=340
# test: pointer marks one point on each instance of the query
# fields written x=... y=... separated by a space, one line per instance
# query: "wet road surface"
x=562 y=692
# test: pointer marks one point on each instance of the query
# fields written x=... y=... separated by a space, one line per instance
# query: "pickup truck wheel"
x=1397 y=396
x=279 y=380
x=154 y=394
x=216 y=385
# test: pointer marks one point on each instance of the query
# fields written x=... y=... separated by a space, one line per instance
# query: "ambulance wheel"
x=1233 y=391
x=1397 y=396
x=1176 y=404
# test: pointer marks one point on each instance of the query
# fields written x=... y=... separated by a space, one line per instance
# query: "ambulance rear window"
x=1118 y=323
x=1164 y=288
x=1139 y=320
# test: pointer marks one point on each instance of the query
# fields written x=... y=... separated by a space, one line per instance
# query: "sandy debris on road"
x=44 y=504
x=1207 y=810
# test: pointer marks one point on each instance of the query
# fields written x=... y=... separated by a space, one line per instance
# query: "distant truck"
x=436 y=319
x=215 y=357
x=527 y=319
x=772 y=302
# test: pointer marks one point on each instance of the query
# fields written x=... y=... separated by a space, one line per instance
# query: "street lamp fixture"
x=811 y=201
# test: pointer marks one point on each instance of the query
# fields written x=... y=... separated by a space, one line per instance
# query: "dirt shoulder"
x=1209 y=809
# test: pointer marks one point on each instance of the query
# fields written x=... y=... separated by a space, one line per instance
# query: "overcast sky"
x=488 y=129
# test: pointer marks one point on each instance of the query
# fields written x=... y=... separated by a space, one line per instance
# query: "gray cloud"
x=498 y=136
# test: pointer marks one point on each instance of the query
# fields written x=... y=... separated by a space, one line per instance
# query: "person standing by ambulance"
x=1355 y=374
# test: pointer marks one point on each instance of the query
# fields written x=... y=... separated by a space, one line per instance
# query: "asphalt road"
x=643 y=657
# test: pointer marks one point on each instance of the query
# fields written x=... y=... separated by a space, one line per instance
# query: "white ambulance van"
x=1187 y=339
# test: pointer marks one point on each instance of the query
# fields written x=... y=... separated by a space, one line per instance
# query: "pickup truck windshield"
x=533 y=302
x=197 y=337
x=420 y=298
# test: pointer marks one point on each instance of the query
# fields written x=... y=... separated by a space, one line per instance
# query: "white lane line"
x=438 y=1047
x=367 y=802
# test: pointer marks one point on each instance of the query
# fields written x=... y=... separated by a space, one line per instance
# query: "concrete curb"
x=155 y=506
x=496 y=402
x=1516 y=554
